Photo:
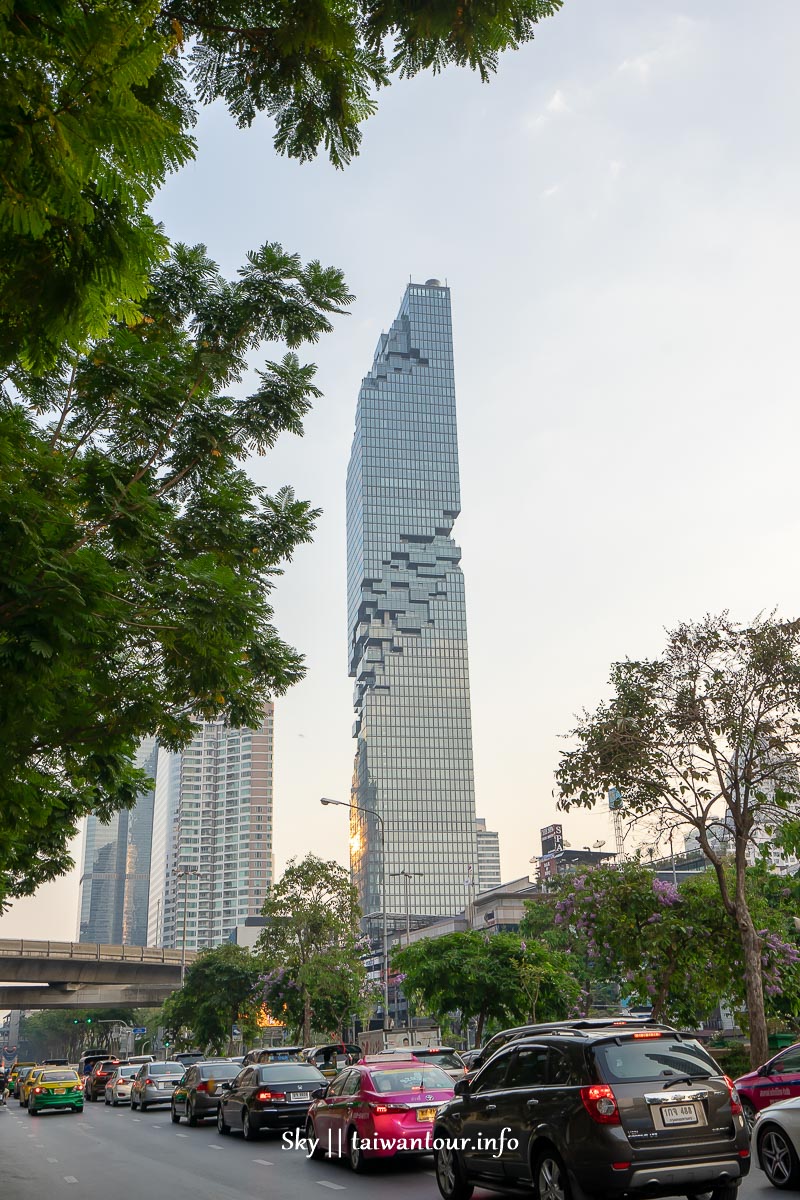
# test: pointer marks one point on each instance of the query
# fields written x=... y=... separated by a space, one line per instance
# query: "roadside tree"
x=706 y=737
x=137 y=556
x=221 y=989
x=312 y=949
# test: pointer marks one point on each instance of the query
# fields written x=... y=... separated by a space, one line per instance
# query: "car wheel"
x=749 y=1114
x=550 y=1177
x=249 y=1129
x=143 y=1106
x=355 y=1154
x=778 y=1157
x=133 y=1104
x=175 y=1117
x=115 y=1103
x=32 y=1112
x=222 y=1127
x=191 y=1115
x=450 y=1174
x=311 y=1137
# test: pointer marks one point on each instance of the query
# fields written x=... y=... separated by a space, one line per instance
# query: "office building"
x=407 y=629
x=488 y=856
x=213 y=860
x=115 y=876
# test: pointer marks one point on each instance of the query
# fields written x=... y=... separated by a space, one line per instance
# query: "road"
x=113 y=1152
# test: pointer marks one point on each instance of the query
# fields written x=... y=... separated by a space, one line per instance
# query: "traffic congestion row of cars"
x=613 y=1107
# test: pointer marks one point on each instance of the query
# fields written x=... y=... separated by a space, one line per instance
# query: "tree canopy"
x=311 y=948
x=705 y=737
x=137 y=556
x=97 y=102
x=222 y=988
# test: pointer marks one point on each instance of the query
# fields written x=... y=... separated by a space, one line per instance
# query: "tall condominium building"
x=407 y=628
x=212 y=860
x=115 y=878
x=488 y=856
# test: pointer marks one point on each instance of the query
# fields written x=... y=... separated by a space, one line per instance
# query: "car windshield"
x=647 y=1060
x=411 y=1079
x=442 y=1058
x=59 y=1077
x=220 y=1071
x=281 y=1056
x=290 y=1074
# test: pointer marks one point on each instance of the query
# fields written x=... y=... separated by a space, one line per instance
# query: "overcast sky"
x=618 y=217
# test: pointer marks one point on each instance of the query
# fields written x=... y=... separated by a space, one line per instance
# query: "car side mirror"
x=319 y=1093
x=461 y=1087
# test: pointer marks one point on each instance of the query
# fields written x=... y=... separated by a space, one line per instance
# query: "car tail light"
x=201 y=1087
x=736 y=1104
x=270 y=1095
x=381 y=1109
x=37 y=1090
x=150 y=1082
x=649 y=1034
x=601 y=1104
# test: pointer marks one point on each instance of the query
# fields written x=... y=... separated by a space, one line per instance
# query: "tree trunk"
x=479 y=1029
x=754 y=986
x=306 y=1017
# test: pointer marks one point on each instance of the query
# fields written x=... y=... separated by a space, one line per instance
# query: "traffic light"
x=88 y=1020
x=75 y=1021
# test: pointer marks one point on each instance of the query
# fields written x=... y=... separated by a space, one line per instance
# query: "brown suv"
x=594 y=1112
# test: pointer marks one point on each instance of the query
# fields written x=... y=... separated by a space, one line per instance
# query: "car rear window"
x=59 y=1077
x=164 y=1068
x=411 y=1079
x=649 y=1059
x=290 y=1074
x=442 y=1058
x=127 y=1072
x=281 y=1056
x=220 y=1071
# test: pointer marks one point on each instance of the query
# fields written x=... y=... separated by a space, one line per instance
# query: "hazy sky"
x=618 y=216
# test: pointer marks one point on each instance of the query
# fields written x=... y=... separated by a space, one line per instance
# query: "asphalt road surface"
x=107 y=1152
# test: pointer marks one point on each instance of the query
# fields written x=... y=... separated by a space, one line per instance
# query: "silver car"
x=776 y=1136
x=118 y=1088
x=154 y=1083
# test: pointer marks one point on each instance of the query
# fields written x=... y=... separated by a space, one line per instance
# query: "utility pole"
x=184 y=873
x=406 y=876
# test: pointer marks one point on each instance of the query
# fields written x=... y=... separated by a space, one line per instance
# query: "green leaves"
x=221 y=989
x=137 y=557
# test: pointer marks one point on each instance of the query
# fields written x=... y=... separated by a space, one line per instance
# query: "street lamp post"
x=407 y=876
x=184 y=873
x=379 y=819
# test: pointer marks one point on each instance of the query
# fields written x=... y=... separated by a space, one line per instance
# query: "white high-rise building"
x=212 y=859
x=488 y=856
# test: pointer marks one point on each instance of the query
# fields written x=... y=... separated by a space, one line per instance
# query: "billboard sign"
x=552 y=839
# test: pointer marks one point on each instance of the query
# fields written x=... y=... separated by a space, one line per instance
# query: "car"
x=187 y=1057
x=14 y=1074
x=378 y=1108
x=268 y=1054
x=441 y=1056
x=776 y=1137
x=118 y=1087
x=505 y=1036
x=56 y=1087
x=598 y=1112
x=18 y=1090
x=94 y=1084
x=197 y=1095
x=88 y=1059
x=330 y=1059
x=26 y=1081
x=154 y=1083
x=776 y=1079
x=468 y=1058
x=268 y=1096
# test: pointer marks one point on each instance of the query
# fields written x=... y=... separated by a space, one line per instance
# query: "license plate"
x=426 y=1114
x=301 y=1096
x=58 y=1091
x=679 y=1114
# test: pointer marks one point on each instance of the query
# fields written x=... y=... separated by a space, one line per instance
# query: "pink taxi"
x=777 y=1079
x=377 y=1109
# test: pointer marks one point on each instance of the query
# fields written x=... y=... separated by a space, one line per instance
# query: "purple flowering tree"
x=707 y=738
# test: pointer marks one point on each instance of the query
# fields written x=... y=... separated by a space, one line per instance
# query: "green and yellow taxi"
x=55 y=1087
x=13 y=1078
x=26 y=1083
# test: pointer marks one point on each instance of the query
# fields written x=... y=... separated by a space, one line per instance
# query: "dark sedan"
x=197 y=1095
x=95 y=1083
x=268 y=1097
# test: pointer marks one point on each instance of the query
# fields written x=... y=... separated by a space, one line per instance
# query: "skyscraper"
x=488 y=857
x=407 y=626
x=212 y=861
x=115 y=879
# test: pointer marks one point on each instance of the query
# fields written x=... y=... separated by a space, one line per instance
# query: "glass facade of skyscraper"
x=115 y=879
x=407 y=623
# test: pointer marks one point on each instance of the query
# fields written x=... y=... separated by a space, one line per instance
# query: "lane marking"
x=137 y=1120
x=181 y=1135
x=52 y=1160
x=70 y=1179
x=263 y=1162
x=211 y=1147
x=335 y=1187
x=156 y=1126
